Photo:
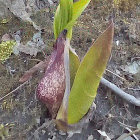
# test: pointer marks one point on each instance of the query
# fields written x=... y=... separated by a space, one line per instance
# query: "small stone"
x=43 y=132
x=62 y=133
x=90 y=137
x=38 y=121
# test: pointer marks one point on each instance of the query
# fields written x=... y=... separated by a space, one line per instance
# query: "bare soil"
x=24 y=114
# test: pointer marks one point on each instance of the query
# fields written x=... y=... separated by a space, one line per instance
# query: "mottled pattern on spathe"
x=52 y=87
x=6 y=48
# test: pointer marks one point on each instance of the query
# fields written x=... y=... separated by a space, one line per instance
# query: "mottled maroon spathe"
x=52 y=86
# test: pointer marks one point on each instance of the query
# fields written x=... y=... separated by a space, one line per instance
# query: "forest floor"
x=21 y=116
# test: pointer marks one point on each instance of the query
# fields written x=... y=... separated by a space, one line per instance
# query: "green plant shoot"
x=66 y=15
x=90 y=71
x=69 y=87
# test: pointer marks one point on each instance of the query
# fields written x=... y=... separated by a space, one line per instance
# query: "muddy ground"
x=21 y=112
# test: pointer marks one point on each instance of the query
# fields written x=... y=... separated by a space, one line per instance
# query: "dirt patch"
x=23 y=112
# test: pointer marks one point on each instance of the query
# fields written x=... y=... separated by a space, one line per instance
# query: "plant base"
x=61 y=125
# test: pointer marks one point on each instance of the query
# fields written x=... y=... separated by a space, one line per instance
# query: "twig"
x=45 y=56
x=44 y=125
x=135 y=58
x=28 y=74
x=1 y=99
x=129 y=98
x=35 y=60
x=110 y=110
x=124 y=125
x=137 y=131
x=129 y=130
x=135 y=89
x=115 y=74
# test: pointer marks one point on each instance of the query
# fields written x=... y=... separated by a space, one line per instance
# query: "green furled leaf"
x=62 y=16
x=78 y=8
x=67 y=14
x=88 y=76
x=74 y=64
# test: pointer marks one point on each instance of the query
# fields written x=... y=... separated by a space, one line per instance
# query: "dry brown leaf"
x=5 y=37
x=28 y=74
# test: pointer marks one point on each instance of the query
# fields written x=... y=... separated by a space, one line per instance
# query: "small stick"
x=137 y=131
x=124 y=125
x=1 y=99
x=35 y=60
x=44 y=125
x=129 y=98
x=135 y=89
x=28 y=74
x=135 y=58
x=115 y=74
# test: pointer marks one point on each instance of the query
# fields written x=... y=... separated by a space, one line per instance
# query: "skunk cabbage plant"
x=69 y=86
